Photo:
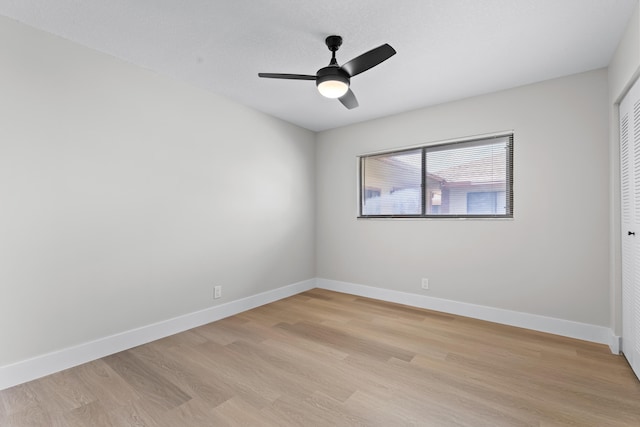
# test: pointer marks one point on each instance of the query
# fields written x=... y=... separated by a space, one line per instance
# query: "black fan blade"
x=349 y=100
x=287 y=76
x=368 y=60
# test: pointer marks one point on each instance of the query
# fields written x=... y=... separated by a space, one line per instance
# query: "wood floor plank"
x=288 y=365
x=187 y=376
x=325 y=358
x=136 y=413
x=340 y=339
x=350 y=414
x=18 y=398
x=109 y=388
x=146 y=381
x=36 y=417
x=62 y=392
x=194 y=413
x=237 y=412
x=214 y=369
x=92 y=414
x=245 y=373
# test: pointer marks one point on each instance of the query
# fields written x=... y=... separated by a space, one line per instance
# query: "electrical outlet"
x=425 y=283
x=217 y=292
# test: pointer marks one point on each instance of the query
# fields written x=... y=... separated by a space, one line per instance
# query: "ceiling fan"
x=333 y=80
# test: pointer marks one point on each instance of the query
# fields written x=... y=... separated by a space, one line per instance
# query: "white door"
x=630 y=224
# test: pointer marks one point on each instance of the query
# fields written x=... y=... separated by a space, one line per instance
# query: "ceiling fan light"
x=333 y=88
x=332 y=82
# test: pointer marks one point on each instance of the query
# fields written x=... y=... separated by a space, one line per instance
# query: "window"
x=462 y=179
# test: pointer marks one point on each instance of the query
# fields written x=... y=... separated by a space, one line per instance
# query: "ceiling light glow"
x=333 y=88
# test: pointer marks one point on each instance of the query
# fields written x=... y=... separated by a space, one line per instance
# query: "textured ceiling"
x=447 y=49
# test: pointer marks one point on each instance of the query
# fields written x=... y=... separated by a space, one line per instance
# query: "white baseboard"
x=46 y=364
x=615 y=344
x=567 y=328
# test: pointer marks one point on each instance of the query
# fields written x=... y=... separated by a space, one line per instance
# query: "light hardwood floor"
x=323 y=358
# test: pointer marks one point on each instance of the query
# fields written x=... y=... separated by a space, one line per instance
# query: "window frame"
x=509 y=196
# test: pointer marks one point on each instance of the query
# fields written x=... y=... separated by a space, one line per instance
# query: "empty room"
x=319 y=213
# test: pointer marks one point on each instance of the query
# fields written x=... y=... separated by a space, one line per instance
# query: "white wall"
x=125 y=196
x=550 y=260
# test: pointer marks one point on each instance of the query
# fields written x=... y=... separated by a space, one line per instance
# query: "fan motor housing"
x=332 y=73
